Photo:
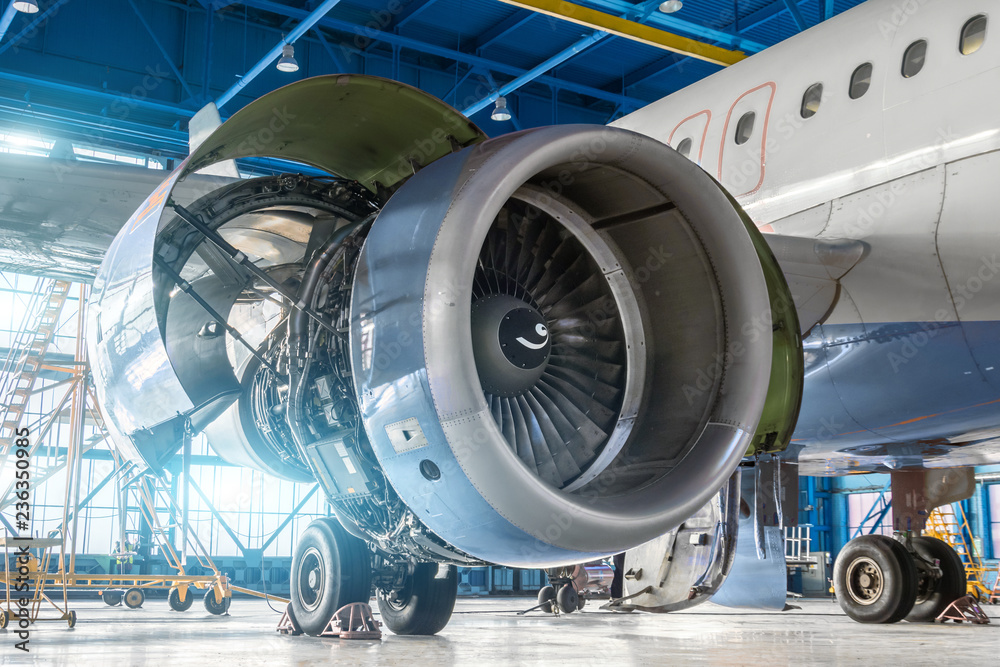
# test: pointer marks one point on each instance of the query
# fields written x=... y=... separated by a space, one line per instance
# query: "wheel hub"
x=865 y=581
x=312 y=576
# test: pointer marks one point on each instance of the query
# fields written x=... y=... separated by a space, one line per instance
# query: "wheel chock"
x=353 y=621
x=963 y=609
x=288 y=625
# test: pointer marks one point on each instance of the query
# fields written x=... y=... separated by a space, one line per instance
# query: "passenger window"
x=684 y=148
x=811 y=100
x=914 y=57
x=744 y=128
x=973 y=35
x=861 y=81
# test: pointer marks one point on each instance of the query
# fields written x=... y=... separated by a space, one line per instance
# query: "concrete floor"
x=488 y=632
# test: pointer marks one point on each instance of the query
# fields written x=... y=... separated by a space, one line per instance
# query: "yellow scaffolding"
x=949 y=524
x=24 y=587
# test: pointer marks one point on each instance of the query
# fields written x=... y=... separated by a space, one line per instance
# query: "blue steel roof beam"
x=765 y=14
x=750 y=22
x=793 y=9
x=37 y=21
x=119 y=104
x=638 y=13
x=502 y=29
x=454 y=89
x=206 y=76
x=371 y=34
x=163 y=51
x=407 y=12
x=650 y=70
x=675 y=24
x=337 y=62
x=7 y=18
x=305 y=25
x=96 y=131
x=537 y=71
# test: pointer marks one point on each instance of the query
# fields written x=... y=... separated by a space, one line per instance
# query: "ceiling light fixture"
x=26 y=6
x=287 y=62
x=671 y=6
x=501 y=112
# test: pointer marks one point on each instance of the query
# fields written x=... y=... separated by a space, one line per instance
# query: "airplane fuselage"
x=905 y=370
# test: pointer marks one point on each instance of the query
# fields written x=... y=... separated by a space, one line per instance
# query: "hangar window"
x=861 y=81
x=973 y=35
x=811 y=99
x=993 y=509
x=914 y=57
x=863 y=510
x=684 y=148
x=744 y=128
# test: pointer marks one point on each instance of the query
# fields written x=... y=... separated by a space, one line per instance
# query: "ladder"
x=153 y=499
x=27 y=352
x=949 y=524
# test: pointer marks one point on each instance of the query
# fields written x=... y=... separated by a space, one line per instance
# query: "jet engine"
x=532 y=350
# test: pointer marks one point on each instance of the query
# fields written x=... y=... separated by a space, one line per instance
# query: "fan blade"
x=507 y=425
x=587 y=436
x=547 y=244
x=536 y=436
x=494 y=402
x=585 y=292
x=606 y=372
x=567 y=282
x=563 y=259
x=554 y=451
x=531 y=229
x=524 y=449
x=600 y=348
x=605 y=394
x=510 y=251
x=602 y=415
x=601 y=308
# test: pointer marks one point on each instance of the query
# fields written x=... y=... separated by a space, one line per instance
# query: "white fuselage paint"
x=912 y=168
x=909 y=167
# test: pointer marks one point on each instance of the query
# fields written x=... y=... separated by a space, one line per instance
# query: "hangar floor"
x=488 y=631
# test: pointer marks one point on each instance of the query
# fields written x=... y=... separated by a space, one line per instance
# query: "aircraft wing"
x=58 y=217
x=813 y=269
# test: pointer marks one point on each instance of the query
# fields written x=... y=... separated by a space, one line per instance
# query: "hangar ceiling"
x=125 y=76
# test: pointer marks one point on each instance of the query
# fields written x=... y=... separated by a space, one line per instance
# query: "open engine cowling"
x=635 y=271
x=546 y=347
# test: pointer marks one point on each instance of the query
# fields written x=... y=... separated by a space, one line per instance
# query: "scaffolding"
x=950 y=524
x=27 y=353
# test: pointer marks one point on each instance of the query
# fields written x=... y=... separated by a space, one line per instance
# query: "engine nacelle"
x=546 y=348
x=632 y=271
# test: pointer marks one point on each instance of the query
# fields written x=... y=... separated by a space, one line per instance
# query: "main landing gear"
x=331 y=568
x=880 y=580
x=424 y=604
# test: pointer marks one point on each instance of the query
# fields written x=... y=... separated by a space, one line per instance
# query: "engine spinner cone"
x=511 y=344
